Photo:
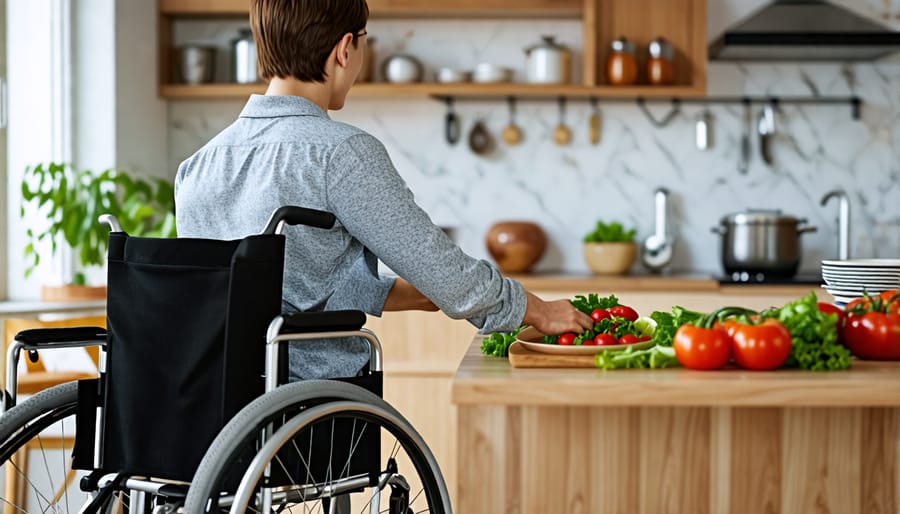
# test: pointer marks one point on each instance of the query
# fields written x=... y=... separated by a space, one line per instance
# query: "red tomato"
x=599 y=314
x=589 y=342
x=566 y=339
x=628 y=339
x=702 y=348
x=873 y=335
x=605 y=339
x=623 y=311
x=643 y=338
x=761 y=347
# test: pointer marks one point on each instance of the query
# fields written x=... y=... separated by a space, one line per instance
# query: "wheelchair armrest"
x=323 y=321
x=37 y=338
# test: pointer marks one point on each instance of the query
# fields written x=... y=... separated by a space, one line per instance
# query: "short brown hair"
x=295 y=37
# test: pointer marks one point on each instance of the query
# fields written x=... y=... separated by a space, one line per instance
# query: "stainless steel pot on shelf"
x=761 y=241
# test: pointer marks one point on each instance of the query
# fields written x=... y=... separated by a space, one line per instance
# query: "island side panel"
x=821 y=460
x=879 y=461
x=755 y=448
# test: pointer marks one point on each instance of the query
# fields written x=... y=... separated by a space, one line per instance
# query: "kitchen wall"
x=566 y=189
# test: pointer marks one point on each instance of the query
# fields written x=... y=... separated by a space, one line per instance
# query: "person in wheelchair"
x=285 y=150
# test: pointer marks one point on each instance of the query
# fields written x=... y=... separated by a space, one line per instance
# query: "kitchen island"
x=675 y=440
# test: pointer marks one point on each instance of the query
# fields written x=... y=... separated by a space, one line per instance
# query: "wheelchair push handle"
x=292 y=215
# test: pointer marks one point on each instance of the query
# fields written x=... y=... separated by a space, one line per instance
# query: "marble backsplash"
x=817 y=148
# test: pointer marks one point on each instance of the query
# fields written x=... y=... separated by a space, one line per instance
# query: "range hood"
x=804 y=30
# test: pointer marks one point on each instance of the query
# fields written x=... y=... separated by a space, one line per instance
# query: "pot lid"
x=759 y=216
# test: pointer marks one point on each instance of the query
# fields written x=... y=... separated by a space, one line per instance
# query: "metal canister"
x=243 y=58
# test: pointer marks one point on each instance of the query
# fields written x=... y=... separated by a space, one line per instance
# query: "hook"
x=855 y=108
x=674 y=111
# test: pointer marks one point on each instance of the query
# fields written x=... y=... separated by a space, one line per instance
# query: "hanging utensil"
x=656 y=250
x=511 y=134
x=562 y=135
x=480 y=140
x=451 y=125
x=766 y=128
x=594 y=122
x=703 y=130
x=660 y=123
x=744 y=159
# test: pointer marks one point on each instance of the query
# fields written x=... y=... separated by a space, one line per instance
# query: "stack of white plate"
x=847 y=280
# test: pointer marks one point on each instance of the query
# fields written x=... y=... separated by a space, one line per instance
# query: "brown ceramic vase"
x=516 y=246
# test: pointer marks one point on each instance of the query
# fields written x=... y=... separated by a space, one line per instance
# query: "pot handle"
x=803 y=230
x=717 y=230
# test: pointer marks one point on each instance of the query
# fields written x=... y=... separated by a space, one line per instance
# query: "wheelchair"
x=192 y=412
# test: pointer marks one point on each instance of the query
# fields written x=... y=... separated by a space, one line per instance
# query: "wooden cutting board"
x=521 y=357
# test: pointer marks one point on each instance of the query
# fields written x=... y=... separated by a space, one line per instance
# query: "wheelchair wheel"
x=263 y=462
x=35 y=442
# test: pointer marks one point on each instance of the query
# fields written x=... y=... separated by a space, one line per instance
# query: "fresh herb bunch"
x=587 y=304
x=654 y=357
x=610 y=233
x=813 y=335
x=498 y=343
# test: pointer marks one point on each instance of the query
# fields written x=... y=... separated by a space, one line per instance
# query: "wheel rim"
x=423 y=495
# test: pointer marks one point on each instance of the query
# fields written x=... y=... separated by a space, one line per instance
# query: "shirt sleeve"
x=376 y=207
x=362 y=289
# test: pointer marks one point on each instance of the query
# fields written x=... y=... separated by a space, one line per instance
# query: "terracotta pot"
x=516 y=246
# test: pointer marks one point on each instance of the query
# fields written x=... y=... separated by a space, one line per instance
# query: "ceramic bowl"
x=610 y=258
x=516 y=246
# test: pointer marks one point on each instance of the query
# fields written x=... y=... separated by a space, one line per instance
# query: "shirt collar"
x=266 y=106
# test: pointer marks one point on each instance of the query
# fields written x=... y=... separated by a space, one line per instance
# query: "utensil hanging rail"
x=854 y=102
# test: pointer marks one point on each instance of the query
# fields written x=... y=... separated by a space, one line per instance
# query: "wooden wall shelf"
x=459 y=91
x=398 y=8
x=681 y=22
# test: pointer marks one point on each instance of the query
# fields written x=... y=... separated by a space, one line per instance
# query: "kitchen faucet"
x=843 y=221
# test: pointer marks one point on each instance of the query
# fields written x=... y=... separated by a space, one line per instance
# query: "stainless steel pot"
x=548 y=62
x=761 y=241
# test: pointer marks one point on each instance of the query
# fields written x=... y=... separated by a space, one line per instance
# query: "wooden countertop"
x=688 y=282
x=492 y=381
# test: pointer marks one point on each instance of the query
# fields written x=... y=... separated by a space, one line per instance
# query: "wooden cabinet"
x=681 y=22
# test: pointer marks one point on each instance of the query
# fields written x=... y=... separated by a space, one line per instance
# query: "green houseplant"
x=71 y=200
x=609 y=249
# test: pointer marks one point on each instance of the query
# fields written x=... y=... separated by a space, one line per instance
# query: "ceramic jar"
x=516 y=246
x=621 y=64
x=660 y=62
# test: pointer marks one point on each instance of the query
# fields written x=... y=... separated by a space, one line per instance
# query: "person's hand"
x=556 y=317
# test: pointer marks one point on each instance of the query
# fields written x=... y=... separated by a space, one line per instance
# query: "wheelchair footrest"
x=323 y=321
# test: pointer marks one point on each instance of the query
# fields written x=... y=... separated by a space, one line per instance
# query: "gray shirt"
x=285 y=150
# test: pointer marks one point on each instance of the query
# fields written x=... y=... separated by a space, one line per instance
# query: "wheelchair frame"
x=47 y=339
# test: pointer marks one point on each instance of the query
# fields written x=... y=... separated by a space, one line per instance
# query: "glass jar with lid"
x=621 y=63
x=660 y=62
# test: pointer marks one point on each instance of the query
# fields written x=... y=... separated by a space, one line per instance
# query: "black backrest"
x=187 y=320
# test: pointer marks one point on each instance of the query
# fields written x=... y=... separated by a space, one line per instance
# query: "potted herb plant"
x=610 y=249
x=71 y=200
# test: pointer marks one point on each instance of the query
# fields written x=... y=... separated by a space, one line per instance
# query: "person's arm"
x=404 y=297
